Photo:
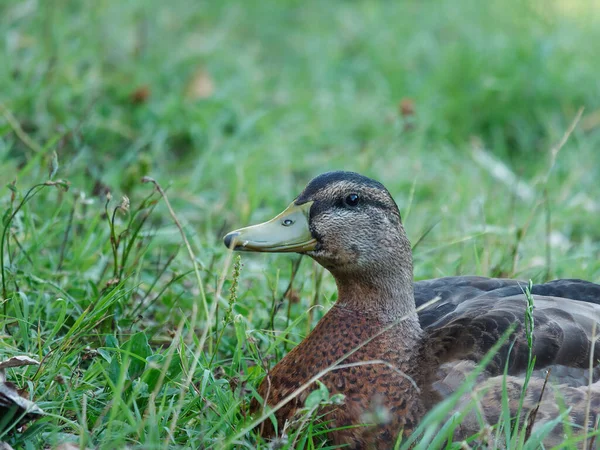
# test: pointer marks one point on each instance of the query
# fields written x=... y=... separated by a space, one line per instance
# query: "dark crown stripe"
x=322 y=181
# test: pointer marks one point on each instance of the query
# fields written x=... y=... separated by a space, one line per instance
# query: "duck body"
x=389 y=391
x=393 y=363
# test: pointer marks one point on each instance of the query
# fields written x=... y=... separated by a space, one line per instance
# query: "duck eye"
x=287 y=222
x=352 y=200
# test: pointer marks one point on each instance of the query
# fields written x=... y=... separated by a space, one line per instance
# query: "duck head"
x=347 y=222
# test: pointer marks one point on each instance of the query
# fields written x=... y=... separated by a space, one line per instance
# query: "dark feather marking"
x=322 y=181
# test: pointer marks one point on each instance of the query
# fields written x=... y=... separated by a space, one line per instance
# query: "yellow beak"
x=288 y=232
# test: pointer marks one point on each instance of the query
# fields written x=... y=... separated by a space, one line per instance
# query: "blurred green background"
x=239 y=103
x=458 y=107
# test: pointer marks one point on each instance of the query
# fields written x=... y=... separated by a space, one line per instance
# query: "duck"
x=393 y=344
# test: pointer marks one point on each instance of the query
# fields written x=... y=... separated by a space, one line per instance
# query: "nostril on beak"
x=228 y=239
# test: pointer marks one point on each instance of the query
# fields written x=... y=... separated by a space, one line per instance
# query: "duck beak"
x=288 y=232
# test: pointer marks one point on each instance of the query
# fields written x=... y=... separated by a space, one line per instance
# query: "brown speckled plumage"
x=366 y=387
x=403 y=363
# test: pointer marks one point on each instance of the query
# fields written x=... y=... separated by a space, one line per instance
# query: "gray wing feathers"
x=474 y=312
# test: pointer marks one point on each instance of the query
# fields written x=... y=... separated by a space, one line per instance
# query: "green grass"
x=283 y=91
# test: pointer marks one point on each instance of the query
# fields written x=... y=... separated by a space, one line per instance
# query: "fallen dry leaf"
x=407 y=107
x=16 y=361
x=12 y=405
x=200 y=85
x=407 y=110
x=140 y=95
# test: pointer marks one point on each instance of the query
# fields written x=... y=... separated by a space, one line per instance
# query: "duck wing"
x=563 y=332
x=452 y=291
x=472 y=315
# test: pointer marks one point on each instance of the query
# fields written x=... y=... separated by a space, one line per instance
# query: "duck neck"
x=387 y=297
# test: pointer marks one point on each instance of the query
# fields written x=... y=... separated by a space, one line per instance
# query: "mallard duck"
x=384 y=355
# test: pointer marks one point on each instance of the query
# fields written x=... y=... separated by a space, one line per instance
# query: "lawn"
x=481 y=118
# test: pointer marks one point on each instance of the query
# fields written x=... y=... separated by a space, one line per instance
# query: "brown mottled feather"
x=365 y=386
